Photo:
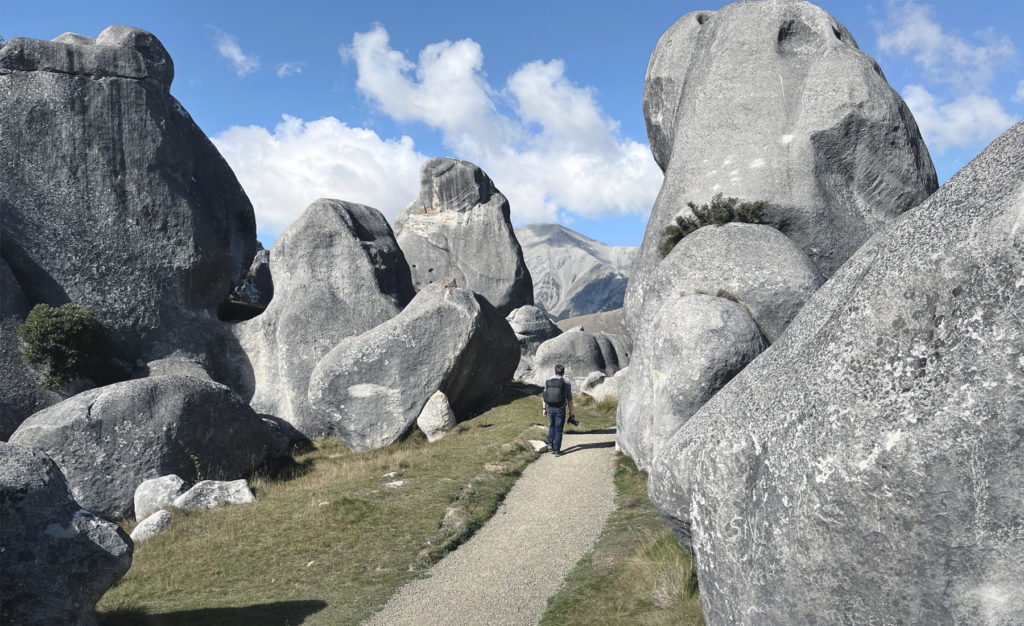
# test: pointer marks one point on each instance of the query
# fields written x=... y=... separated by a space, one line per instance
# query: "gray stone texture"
x=532 y=327
x=436 y=418
x=581 y=353
x=177 y=366
x=257 y=286
x=774 y=101
x=338 y=272
x=599 y=387
x=207 y=494
x=756 y=266
x=154 y=494
x=116 y=201
x=152 y=526
x=110 y=439
x=459 y=227
x=57 y=560
x=372 y=387
x=867 y=468
x=689 y=348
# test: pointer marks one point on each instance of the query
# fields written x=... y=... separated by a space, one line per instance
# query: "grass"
x=636 y=574
x=332 y=542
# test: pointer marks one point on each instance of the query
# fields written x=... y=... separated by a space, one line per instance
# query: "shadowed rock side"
x=57 y=559
x=459 y=227
x=532 y=328
x=337 y=272
x=867 y=468
x=372 y=387
x=116 y=200
x=774 y=101
x=109 y=440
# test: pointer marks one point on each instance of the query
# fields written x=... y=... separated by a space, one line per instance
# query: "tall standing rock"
x=338 y=272
x=459 y=227
x=774 y=101
x=111 y=196
x=868 y=468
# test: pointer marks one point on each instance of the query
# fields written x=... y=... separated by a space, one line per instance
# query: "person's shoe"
x=556 y=453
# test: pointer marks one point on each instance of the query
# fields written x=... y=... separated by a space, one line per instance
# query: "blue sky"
x=345 y=99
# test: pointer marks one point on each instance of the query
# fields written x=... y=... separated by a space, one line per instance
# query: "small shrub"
x=66 y=340
x=720 y=211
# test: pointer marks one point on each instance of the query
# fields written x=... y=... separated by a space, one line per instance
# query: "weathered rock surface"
x=106 y=154
x=337 y=272
x=599 y=386
x=110 y=439
x=207 y=494
x=581 y=353
x=867 y=468
x=688 y=349
x=532 y=328
x=436 y=418
x=573 y=274
x=57 y=559
x=176 y=366
x=154 y=494
x=755 y=266
x=152 y=526
x=257 y=286
x=774 y=101
x=459 y=227
x=371 y=388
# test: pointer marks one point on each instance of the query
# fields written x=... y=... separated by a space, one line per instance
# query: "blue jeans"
x=556 y=422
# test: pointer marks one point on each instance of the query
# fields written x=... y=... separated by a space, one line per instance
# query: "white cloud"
x=967 y=121
x=1019 y=96
x=284 y=171
x=228 y=48
x=555 y=151
x=289 y=68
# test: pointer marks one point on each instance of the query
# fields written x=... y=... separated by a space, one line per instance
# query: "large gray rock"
x=459 y=227
x=117 y=201
x=436 y=418
x=532 y=328
x=152 y=526
x=688 y=350
x=57 y=560
x=867 y=468
x=581 y=353
x=756 y=266
x=109 y=440
x=371 y=388
x=774 y=101
x=338 y=272
x=154 y=494
x=257 y=286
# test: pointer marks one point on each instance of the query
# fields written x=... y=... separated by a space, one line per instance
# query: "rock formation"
x=599 y=386
x=581 y=353
x=774 y=101
x=208 y=494
x=57 y=559
x=459 y=227
x=257 y=286
x=152 y=526
x=110 y=439
x=572 y=274
x=436 y=418
x=337 y=272
x=370 y=389
x=106 y=154
x=154 y=494
x=868 y=467
x=532 y=328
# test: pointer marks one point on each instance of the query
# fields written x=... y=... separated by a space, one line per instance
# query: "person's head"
x=559 y=370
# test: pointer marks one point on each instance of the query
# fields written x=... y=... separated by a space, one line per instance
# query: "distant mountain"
x=572 y=274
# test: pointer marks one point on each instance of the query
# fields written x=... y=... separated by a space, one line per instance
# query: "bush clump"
x=65 y=339
x=720 y=211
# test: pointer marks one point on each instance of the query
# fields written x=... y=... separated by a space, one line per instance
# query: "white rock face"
x=436 y=418
x=156 y=493
x=599 y=386
x=153 y=525
x=573 y=274
x=207 y=494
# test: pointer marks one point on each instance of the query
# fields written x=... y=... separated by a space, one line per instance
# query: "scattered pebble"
x=395 y=484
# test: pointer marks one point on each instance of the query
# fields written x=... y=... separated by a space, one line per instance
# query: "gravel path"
x=505 y=573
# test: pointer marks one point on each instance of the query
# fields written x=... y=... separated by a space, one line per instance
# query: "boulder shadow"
x=584 y=446
x=272 y=613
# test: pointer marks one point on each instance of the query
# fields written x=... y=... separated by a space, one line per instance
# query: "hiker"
x=557 y=397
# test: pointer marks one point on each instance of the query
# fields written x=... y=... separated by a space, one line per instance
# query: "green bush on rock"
x=720 y=211
x=65 y=339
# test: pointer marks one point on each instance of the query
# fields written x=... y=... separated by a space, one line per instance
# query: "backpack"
x=554 y=392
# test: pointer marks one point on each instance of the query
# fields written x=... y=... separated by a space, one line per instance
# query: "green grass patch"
x=636 y=573
x=331 y=543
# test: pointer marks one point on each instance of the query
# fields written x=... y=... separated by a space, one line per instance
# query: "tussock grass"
x=636 y=574
x=330 y=542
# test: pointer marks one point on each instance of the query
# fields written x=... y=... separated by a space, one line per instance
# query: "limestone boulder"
x=57 y=559
x=338 y=272
x=532 y=328
x=436 y=418
x=580 y=353
x=774 y=101
x=372 y=387
x=109 y=440
x=152 y=526
x=207 y=494
x=154 y=494
x=867 y=468
x=459 y=227
x=600 y=387
x=257 y=286
x=689 y=349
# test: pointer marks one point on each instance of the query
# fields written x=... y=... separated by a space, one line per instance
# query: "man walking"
x=557 y=397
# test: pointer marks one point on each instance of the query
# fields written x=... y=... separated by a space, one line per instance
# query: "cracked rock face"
x=774 y=101
x=101 y=153
x=867 y=468
x=459 y=227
